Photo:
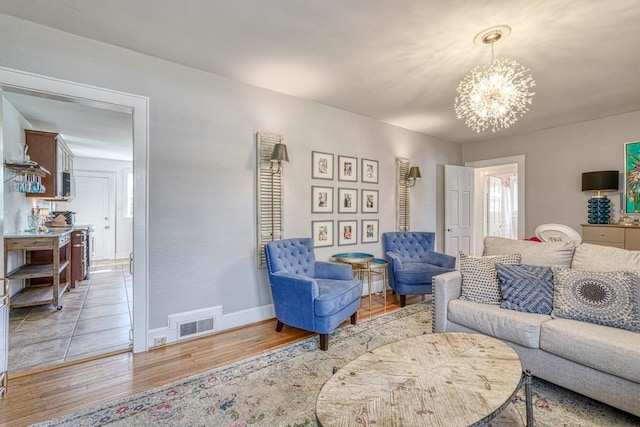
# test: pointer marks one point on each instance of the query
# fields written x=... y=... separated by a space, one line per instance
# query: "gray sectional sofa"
x=601 y=362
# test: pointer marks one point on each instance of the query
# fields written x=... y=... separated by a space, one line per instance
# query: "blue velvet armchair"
x=413 y=262
x=316 y=296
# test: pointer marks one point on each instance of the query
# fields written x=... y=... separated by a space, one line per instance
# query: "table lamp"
x=599 y=205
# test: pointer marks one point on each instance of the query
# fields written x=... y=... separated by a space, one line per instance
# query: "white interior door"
x=93 y=205
x=458 y=209
x=4 y=301
x=495 y=226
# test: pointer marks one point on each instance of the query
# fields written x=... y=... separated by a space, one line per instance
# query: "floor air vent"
x=196 y=322
x=196 y=327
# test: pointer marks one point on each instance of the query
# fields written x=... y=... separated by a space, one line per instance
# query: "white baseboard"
x=168 y=334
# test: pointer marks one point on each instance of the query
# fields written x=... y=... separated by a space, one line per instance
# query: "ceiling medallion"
x=494 y=96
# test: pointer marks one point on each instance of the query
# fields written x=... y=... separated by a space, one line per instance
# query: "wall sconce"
x=599 y=209
x=413 y=176
x=278 y=155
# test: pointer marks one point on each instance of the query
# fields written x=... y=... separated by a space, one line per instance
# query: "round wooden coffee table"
x=445 y=379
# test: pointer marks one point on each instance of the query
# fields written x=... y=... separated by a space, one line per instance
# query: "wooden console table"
x=616 y=235
x=46 y=268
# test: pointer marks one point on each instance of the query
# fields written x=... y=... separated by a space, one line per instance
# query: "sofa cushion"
x=547 y=254
x=604 y=298
x=480 y=278
x=605 y=258
x=526 y=288
x=611 y=350
x=514 y=326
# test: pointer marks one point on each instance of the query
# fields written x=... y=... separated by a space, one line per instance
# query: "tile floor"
x=96 y=318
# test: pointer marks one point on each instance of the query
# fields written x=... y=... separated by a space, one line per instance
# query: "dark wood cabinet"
x=79 y=255
x=50 y=151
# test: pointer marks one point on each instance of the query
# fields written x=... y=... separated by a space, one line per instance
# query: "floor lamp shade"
x=599 y=210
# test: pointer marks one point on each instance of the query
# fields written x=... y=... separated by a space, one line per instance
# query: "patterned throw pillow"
x=527 y=288
x=480 y=278
x=604 y=298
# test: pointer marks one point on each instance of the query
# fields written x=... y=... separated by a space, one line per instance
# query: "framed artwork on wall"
x=321 y=199
x=369 y=201
x=347 y=168
x=631 y=176
x=347 y=233
x=369 y=171
x=369 y=231
x=347 y=200
x=322 y=232
x=321 y=165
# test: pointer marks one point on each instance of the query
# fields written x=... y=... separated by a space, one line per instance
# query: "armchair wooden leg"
x=279 y=326
x=403 y=300
x=354 y=318
x=324 y=342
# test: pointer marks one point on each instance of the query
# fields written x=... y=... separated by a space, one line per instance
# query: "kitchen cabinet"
x=52 y=153
x=45 y=270
x=619 y=236
x=79 y=255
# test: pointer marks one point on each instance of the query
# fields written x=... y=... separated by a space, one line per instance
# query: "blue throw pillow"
x=527 y=288
x=604 y=298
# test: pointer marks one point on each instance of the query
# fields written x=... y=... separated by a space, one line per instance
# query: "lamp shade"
x=414 y=173
x=600 y=181
x=279 y=153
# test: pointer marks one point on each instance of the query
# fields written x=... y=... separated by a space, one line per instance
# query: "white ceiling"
x=398 y=61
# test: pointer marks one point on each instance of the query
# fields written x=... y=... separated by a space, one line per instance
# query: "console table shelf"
x=46 y=272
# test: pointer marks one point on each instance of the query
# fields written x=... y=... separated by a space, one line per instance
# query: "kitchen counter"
x=53 y=233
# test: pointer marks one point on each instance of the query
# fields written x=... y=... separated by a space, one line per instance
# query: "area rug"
x=279 y=388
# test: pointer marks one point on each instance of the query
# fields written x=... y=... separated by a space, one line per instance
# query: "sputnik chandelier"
x=494 y=96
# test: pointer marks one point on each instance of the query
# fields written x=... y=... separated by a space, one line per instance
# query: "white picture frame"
x=321 y=165
x=369 y=201
x=321 y=199
x=322 y=232
x=347 y=200
x=347 y=168
x=347 y=232
x=370 y=231
x=369 y=171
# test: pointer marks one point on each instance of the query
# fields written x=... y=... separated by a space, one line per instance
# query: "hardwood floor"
x=55 y=392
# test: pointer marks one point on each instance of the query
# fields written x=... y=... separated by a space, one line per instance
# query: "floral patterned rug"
x=280 y=388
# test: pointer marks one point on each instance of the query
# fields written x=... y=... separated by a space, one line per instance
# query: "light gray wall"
x=555 y=161
x=16 y=205
x=202 y=164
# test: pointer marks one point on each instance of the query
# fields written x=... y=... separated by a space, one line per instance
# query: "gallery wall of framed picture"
x=337 y=224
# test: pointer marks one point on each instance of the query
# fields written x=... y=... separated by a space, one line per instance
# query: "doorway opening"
x=499 y=199
x=136 y=107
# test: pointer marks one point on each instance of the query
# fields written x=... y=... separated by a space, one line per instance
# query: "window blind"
x=403 y=219
x=269 y=194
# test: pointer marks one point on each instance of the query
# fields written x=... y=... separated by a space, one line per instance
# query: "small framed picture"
x=347 y=200
x=369 y=201
x=369 y=171
x=322 y=232
x=347 y=168
x=347 y=233
x=321 y=199
x=321 y=165
x=369 y=231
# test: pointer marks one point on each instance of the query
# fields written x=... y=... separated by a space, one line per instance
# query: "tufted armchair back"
x=291 y=255
x=409 y=246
